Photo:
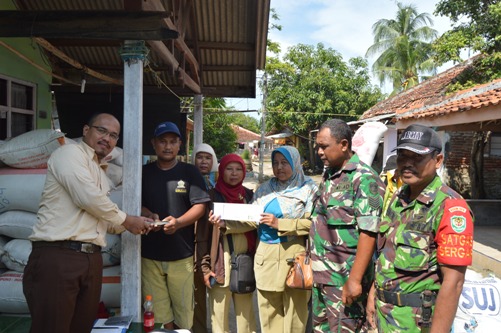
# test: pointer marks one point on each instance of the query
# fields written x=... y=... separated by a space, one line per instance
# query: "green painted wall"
x=13 y=66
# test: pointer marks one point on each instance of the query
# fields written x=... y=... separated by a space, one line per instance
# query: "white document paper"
x=238 y=212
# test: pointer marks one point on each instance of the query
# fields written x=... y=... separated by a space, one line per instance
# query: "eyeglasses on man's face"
x=103 y=131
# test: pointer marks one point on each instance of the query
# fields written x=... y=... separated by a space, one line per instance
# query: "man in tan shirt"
x=63 y=277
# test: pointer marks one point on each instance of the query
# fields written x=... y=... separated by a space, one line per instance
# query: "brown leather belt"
x=68 y=244
x=402 y=299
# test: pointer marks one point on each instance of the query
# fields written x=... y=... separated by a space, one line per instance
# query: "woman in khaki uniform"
x=216 y=265
x=287 y=199
x=204 y=158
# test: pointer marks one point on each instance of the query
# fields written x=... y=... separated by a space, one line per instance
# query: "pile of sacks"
x=22 y=178
x=479 y=308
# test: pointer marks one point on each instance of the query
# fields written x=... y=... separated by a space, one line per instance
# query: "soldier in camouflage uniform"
x=425 y=243
x=343 y=233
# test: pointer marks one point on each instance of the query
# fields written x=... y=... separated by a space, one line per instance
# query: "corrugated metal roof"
x=225 y=38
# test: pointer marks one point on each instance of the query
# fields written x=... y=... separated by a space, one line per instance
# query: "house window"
x=495 y=144
x=17 y=107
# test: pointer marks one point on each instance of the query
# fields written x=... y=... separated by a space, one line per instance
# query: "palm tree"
x=404 y=48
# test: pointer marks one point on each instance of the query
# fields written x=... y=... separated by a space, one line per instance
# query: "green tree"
x=217 y=129
x=404 y=48
x=245 y=121
x=476 y=27
x=219 y=134
x=313 y=84
x=473 y=19
x=272 y=46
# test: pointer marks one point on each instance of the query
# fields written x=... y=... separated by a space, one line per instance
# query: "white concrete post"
x=134 y=55
x=263 y=129
x=198 y=122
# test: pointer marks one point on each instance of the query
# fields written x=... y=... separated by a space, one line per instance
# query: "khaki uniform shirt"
x=75 y=203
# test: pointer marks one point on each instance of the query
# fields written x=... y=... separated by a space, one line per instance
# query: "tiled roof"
x=244 y=135
x=480 y=96
x=427 y=93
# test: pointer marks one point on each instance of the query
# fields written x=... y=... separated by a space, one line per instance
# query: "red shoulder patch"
x=455 y=234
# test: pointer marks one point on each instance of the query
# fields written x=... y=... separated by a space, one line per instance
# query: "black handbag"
x=242 y=279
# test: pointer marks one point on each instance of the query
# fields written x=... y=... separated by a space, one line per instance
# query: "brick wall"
x=457 y=164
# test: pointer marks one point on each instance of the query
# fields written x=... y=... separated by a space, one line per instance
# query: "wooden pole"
x=311 y=149
x=22 y=56
x=61 y=55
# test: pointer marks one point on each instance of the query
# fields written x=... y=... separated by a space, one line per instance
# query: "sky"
x=343 y=25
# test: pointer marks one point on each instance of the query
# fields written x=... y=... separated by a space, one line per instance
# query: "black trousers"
x=62 y=288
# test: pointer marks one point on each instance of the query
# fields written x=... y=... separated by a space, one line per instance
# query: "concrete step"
x=487 y=250
x=486 y=260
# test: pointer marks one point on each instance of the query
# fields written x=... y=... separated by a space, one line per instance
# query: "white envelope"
x=238 y=212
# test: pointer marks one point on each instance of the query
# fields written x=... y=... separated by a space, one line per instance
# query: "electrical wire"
x=160 y=82
x=226 y=110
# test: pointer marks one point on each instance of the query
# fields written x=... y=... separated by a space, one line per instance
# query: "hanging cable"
x=159 y=80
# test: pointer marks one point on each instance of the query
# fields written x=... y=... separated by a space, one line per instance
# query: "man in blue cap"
x=173 y=192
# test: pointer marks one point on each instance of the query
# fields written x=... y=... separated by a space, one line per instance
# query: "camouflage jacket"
x=407 y=248
x=350 y=200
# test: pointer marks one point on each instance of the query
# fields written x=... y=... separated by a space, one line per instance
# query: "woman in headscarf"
x=204 y=158
x=216 y=266
x=287 y=199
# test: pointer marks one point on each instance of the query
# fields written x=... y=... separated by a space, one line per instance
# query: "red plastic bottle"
x=148 y=316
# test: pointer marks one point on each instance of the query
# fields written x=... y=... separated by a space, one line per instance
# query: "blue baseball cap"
x=166 y=127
